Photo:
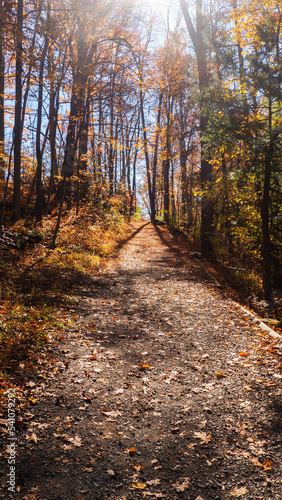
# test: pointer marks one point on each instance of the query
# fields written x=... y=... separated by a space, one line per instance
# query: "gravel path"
x=162 y=388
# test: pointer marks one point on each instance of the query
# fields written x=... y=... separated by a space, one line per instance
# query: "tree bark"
x=197 y=37
x=18 y=121
x=81 y=71
x=39 y=200
x=155 y=158
x=82 y=183
x=146 y=153
x=166 y=164
x=266 y=243
x=2 y=91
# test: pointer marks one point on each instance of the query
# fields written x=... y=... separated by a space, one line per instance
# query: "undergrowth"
x=37 y=282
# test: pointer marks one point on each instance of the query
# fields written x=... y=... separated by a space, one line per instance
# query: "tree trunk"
x=241 y=65
x=266 y=243
x=81 y=72
x=155 y=159
x=39 y=200
x=197 y=37
x=83 y=183
x=2 y=90
x=6 y=189
x=52 y=138
x=183 y=169
x=147 y=159
x=111 y=156
x=17 y=125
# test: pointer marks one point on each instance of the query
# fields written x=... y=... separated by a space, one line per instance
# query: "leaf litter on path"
x=170 y=409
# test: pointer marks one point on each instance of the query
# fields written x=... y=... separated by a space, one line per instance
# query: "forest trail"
x=162 y=388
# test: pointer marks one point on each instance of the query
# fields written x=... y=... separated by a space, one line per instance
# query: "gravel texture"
x=162 y=387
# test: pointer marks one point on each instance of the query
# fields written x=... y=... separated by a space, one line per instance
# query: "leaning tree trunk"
x=39 y=200
x=146 y=153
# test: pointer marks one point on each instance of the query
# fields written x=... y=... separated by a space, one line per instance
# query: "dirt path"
x=163 y=388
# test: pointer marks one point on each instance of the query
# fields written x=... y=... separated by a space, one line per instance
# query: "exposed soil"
x=162 y=387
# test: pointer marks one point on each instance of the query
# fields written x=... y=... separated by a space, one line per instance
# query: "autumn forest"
x=176 y=110
x=140 y=249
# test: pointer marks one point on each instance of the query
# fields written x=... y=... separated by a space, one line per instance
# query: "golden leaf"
x=33 y=400
x=139 y=486
x=267 y=465
x=137 y=467
x=144 y=367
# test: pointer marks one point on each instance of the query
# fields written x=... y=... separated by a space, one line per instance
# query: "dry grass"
x=38 y=281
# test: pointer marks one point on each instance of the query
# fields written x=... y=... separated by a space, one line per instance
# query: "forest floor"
x=161 y=387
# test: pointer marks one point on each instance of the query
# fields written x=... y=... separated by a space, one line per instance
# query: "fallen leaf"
x=267 y=465
x=135 y=413
x=33 y=438
x=196 y=367
x=243 y=354
x=117 y=391
x=67 y=447
x=112 y=414
x=220 y=375
x=132 y=450
x=186 y=409
x=31 y=384
x=151 y=494
x=139 y=486
x=154 y=482
x=137 y=467
x=256 y=462
x=238 y=492
x=111 y=472
x=203 y=436
x=174 y=430
x=144 y=367
x=76 y=440
x=33 y=400
x=87 y=469
x=182 y=484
